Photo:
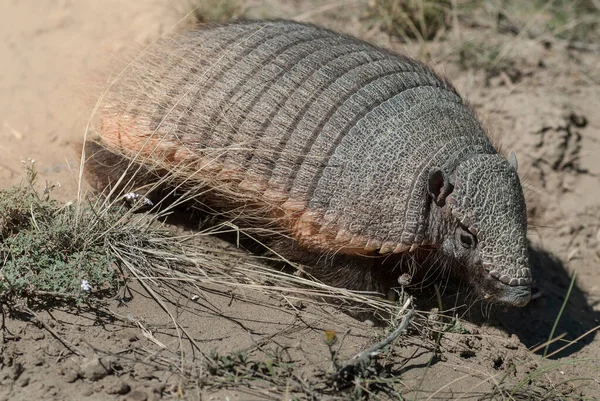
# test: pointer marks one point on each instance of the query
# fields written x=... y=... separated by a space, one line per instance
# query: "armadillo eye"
x=467 y=241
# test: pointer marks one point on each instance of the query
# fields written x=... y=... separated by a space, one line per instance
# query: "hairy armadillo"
x=346 y=148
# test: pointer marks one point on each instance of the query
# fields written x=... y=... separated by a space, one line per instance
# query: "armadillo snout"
x=518 y=295
x=489 y=207
x=512 y=288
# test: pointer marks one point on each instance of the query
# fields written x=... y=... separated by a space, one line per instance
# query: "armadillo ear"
x=439 y=186
x=512 y=160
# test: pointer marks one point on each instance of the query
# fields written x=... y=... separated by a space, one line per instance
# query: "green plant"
x=411 y=19
x=566 y=19
x=207 y=10
x=51 y=249
x=239 y=367
x=483 y=56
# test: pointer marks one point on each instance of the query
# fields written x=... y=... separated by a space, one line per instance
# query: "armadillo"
x=343 y=148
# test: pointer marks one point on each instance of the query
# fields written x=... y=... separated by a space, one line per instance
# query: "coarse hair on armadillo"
x=322 y=137
x=302 y=118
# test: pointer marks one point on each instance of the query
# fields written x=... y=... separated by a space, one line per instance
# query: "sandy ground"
x=546 y=110
x=52 y=53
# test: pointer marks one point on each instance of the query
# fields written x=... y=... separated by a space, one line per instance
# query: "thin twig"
x=376 y=349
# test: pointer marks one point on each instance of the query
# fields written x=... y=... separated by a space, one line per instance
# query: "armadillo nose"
x=515 y=295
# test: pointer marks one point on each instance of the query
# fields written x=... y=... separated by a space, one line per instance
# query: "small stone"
x=114 y=385
x=87 y=392
x=130 y=335
x=17 y=370
x=159 y=388
x=578 y=120
x=143 y=371
x=71 y=376
x=513 y=342
x=298 y=304
x=23 y=381
x=95 y=368
x=172 y=388
x=76 y=340
x=37 y=335
x=7 y=360
x=566 y=230
x=136 y=395
x=97 y=387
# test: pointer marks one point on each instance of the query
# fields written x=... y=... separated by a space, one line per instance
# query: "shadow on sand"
x=533 y=323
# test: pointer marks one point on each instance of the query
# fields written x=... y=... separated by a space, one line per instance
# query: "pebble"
x=16 y=370
x=130 y=335
x=95 y=368
x=143 y=371
x=37 y=335
x=71 y=376
x=136 y=395
x=23 y=381
x=114 y=385
x=87 y=392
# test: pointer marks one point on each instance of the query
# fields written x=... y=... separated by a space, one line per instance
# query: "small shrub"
x=220 y=11
x=46 y=247
x=411 y=19
x=566 y=19
x=483 y=56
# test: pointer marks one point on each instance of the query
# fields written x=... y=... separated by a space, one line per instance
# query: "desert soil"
x=544 y=106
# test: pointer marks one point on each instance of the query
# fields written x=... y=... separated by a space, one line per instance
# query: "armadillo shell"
x=327 y=136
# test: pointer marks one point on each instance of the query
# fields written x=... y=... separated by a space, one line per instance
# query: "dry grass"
x=411 y=19
x=218 y=11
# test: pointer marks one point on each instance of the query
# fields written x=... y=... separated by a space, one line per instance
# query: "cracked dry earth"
x=546 y=109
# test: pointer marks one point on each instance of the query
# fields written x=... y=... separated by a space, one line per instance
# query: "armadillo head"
x=486 y=225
